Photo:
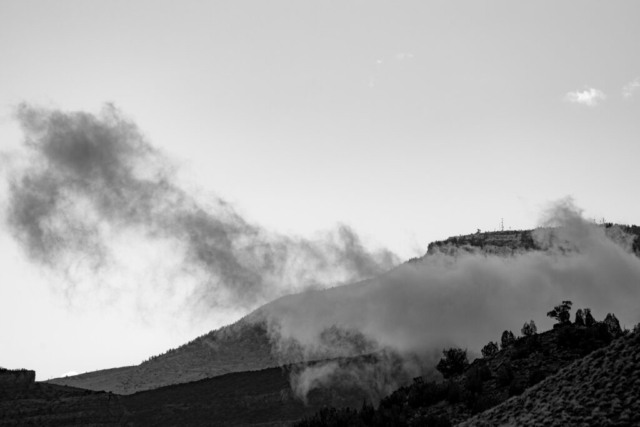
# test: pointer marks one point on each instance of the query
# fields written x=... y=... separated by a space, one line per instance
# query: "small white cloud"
x=589 y=97
x=404 y=55
x=379 y=62
x=630 y=88
x=372 y=81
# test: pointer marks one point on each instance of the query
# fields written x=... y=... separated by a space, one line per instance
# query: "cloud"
x=462 y=299
x=87 y=188
x=589 y=97
x=630 y=88
x=404 y=55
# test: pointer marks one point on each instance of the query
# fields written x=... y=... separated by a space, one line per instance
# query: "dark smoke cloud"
x=459 y=298
x=86 y=179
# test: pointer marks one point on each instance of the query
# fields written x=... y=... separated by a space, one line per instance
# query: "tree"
x=588 y=318
x=454 y=362
x=529 y=329
x=579 y=318
x=490 y=349
x=507 y=339
x=613 y=325
x=562 y=312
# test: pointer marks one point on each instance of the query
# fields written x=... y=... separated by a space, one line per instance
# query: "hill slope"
x=246 y=345
x=485 y=383
x=601 y=389
x=240 y=347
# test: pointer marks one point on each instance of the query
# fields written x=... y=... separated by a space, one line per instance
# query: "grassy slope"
x=216 y=353
x=601 y=389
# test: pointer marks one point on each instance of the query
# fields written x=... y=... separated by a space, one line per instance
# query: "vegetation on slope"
x=471 y=389
x=601 y=389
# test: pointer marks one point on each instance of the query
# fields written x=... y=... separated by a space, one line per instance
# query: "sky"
x=408 y=122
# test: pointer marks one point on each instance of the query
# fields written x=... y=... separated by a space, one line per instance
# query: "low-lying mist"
x=457 y=298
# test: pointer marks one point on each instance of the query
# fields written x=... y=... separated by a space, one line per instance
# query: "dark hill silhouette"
x=485 y=383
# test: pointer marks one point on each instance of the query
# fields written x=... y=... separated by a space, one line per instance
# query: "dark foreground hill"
x=25 y=402
x=602 y=389
x=545 y=379
x=253 y=398
x=570 y=375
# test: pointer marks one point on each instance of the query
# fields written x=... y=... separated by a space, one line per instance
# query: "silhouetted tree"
x=613 y=325
x=490 y=349
x=529 y=329
x=588 y=318
x=454 y=362
x=579 y=318
x=562 y=312
x=507 y=340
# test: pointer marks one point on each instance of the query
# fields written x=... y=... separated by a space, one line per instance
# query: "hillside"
x=487 y=382
x=236 y=348
x=601 y=389
x=25 y=402
x=250 y=398
x=246 y=345
x=505 y=388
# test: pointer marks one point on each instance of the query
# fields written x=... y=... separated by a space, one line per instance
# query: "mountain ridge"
x=248 y=344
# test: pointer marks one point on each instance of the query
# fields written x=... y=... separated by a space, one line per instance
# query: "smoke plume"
x=85 y=182
x=460 y=298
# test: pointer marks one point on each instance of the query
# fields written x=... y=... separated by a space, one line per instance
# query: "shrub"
x=505 y=375
x=536 y=376
x=587 y=340
x=484 y=403
x=529 y=329
x=521 y=353
x=433 y=421
x=426 y=394
x=476 y=376
x=579 y=318
x=588 y=318
x=453 y=394
x=490 y=349
x=613 y=325
x=507 y=339
x=454 y=362
x=516 y=388
x=561 y=312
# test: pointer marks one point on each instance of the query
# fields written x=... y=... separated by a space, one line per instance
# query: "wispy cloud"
x=630 y=88
x=404 y=55
x=589 y=97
